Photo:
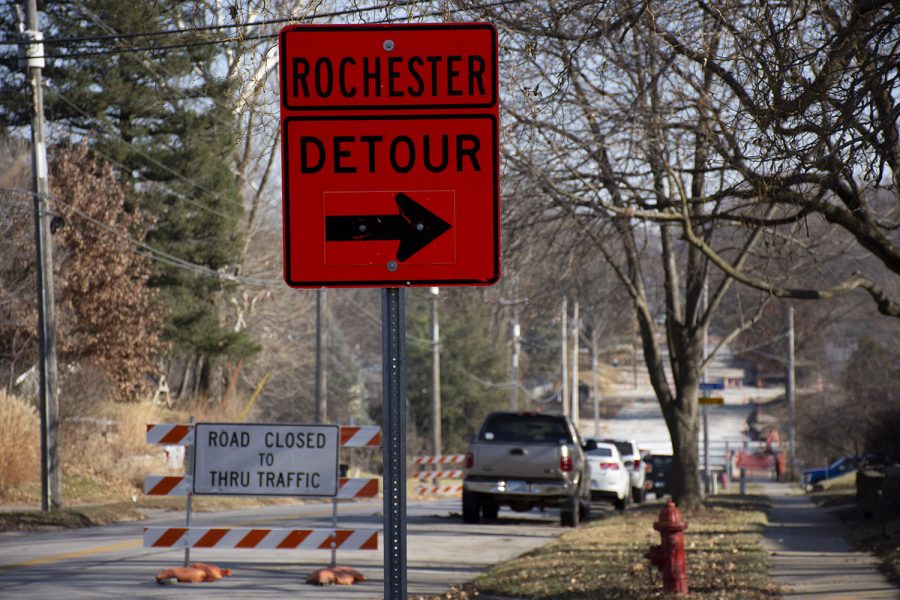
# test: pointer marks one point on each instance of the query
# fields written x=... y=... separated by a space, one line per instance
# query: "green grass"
x=605 y=559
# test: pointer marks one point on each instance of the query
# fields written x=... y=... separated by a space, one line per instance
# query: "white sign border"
x=337 y=461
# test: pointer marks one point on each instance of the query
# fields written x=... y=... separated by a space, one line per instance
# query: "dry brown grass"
x=604 y=559
x=20 y=452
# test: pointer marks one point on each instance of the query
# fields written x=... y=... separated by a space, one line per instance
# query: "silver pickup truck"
x=526 y=460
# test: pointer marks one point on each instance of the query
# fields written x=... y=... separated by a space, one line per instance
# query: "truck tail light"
x=565 y=463
x=637 y=464
x=470 y=460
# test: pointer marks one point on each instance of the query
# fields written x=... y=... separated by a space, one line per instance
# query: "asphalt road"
x=110 y=562
x=642 y=421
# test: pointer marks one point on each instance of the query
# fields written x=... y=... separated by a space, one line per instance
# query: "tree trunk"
x=682 y=422
x=185 y=378
x=199 y=364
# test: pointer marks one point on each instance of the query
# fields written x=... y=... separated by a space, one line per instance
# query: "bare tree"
x=604 y=127
x=801 y=99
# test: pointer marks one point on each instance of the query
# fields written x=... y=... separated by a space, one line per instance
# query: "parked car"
x=610 y=479
x=631 y=456
x=835 y=469
x=526 y=460
x=659 y=474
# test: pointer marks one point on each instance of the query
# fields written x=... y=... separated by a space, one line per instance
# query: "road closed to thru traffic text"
x=266 y=460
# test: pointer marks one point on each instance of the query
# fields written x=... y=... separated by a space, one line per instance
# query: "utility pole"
x=516 y=346
x=576 y=396
x=789 y=392
x=565 y=351
x=634 y=335
x=50 y=461
x=595 y=383
x=707 y=484
x=321 y=357
x=435 y=374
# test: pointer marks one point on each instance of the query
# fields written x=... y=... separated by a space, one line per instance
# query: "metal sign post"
x=393 y=324
x=189 y=470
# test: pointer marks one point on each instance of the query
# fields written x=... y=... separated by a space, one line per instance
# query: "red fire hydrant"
x=668 y=557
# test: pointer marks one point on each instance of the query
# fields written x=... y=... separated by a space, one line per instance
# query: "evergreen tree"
x=162 y=118
x=474 y=367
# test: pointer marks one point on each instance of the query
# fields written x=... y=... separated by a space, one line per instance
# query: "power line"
x=116 y=238
x=242 y=39
x=151 y=251
x=204 y=28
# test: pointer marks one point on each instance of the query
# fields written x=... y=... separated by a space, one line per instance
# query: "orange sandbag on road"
x=335 y=575
x=213 y=573
x=196 y=573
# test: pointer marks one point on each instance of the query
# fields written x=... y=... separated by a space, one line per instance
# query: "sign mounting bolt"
x=392 y=265
x=388 y=45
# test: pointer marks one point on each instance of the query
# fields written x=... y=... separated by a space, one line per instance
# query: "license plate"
x=516 y=485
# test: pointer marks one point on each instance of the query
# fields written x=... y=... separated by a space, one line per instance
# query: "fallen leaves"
x=605 y=559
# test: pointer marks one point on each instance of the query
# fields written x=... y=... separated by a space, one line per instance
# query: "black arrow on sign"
x=415 y=227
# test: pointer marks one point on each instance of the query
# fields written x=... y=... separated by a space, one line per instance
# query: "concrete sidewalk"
x=809 y=555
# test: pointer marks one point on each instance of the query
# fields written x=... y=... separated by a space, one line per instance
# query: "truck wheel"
x=471 y=506
x=568 y=515
x=619 y=503
x=490 y=510
x=638 y=495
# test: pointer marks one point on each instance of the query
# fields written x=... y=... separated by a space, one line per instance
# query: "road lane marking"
x=139 y=543
x=76 y=554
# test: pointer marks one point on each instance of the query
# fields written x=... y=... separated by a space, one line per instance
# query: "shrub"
x=20 y=443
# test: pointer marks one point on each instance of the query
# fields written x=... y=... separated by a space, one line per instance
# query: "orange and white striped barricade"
x=360 y=436
x=439 y=490
x=174 y=485
x=357 y=488
x=434 y=476
x=445 y=474
x=247 y=538
x=188 y=537
x=445 y=459
x=170 y=434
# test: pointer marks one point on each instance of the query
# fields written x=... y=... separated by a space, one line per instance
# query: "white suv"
x=631 y=456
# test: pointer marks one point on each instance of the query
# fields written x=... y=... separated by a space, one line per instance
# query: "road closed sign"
x=265 y=460
x=390 y=155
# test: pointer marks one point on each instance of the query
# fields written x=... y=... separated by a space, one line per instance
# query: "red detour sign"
x=390 y=155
